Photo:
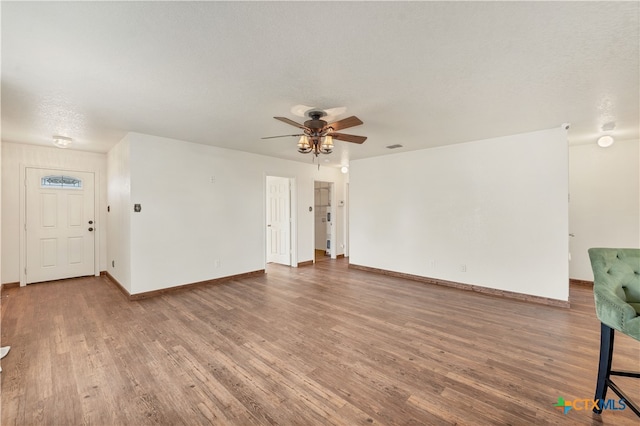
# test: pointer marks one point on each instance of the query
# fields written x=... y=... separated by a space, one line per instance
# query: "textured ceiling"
x=421 y=74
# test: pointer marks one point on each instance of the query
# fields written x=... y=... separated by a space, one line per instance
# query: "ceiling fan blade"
x=345 y=123
x=349 y=138
x=283 y=136
x=293 y=123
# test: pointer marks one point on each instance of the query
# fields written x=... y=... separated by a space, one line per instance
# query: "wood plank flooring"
x=321 y=255
x=321 y=345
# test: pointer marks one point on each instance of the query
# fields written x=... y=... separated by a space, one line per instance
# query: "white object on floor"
x=4 y=351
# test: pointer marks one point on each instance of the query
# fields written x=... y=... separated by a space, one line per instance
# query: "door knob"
x=90 y=229
x=90 y=222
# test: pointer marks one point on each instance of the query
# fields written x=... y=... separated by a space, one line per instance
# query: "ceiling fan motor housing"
x=315 y=125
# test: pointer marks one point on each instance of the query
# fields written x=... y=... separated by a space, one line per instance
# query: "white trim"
x=23 y=224
x=346 y=220
x=96 y=224
x=333 y=249
x=293 y=205
x=23 y=217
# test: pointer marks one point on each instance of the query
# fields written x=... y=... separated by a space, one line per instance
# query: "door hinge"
x=25 y=271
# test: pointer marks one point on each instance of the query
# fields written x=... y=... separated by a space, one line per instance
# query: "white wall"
x=187 y=222
x=497 y=206
x=13 y=155
x=1 y=221
x=605 y=201
x=119 y=215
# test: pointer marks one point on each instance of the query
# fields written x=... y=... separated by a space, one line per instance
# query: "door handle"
x=268 y=226
x=90 y=222
x=90 y=229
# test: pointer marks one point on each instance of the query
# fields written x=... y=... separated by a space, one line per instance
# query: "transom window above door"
x=61 y=182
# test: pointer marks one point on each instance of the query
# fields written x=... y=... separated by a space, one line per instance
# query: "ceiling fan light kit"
x=317 y=145
x=304 y=147
x=318 y=135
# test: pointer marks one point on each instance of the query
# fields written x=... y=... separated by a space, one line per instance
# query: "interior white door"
x=278 y=220
x=60 y=224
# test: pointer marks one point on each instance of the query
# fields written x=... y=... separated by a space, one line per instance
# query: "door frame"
x=22 y=264
x=293 y=217
x=346 y=219
x=334 y=231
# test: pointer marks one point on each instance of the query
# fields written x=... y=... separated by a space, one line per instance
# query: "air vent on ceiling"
x=394 y=146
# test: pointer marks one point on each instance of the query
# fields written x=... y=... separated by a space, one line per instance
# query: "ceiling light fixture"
x=318 y=135
x=605 y=141
x=316 y=142
x=62 y=141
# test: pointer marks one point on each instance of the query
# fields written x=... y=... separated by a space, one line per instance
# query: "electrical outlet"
x=463 y=268
x=216 y=263
x=432 y=264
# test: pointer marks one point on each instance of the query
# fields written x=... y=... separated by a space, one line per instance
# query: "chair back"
x=616 y=286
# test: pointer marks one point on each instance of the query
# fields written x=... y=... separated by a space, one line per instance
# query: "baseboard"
x=10 y=285
x=468 y=287
x=573 y=281
x=117 y=283
x=162 y=291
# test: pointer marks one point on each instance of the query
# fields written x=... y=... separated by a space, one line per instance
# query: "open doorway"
x=324 y=229
x=279 y=224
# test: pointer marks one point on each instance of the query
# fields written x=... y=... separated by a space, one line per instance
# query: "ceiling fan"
x=317 y=135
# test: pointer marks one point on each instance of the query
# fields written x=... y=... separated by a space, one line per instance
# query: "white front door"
x=278 y=220
x=60 y=224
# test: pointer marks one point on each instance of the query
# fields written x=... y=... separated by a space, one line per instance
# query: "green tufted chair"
x=616 y=289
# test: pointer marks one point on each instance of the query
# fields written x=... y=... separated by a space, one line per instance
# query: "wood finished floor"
x=314 y=345
x=321 y=256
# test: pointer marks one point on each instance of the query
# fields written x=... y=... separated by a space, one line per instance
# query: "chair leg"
x=604 y=369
